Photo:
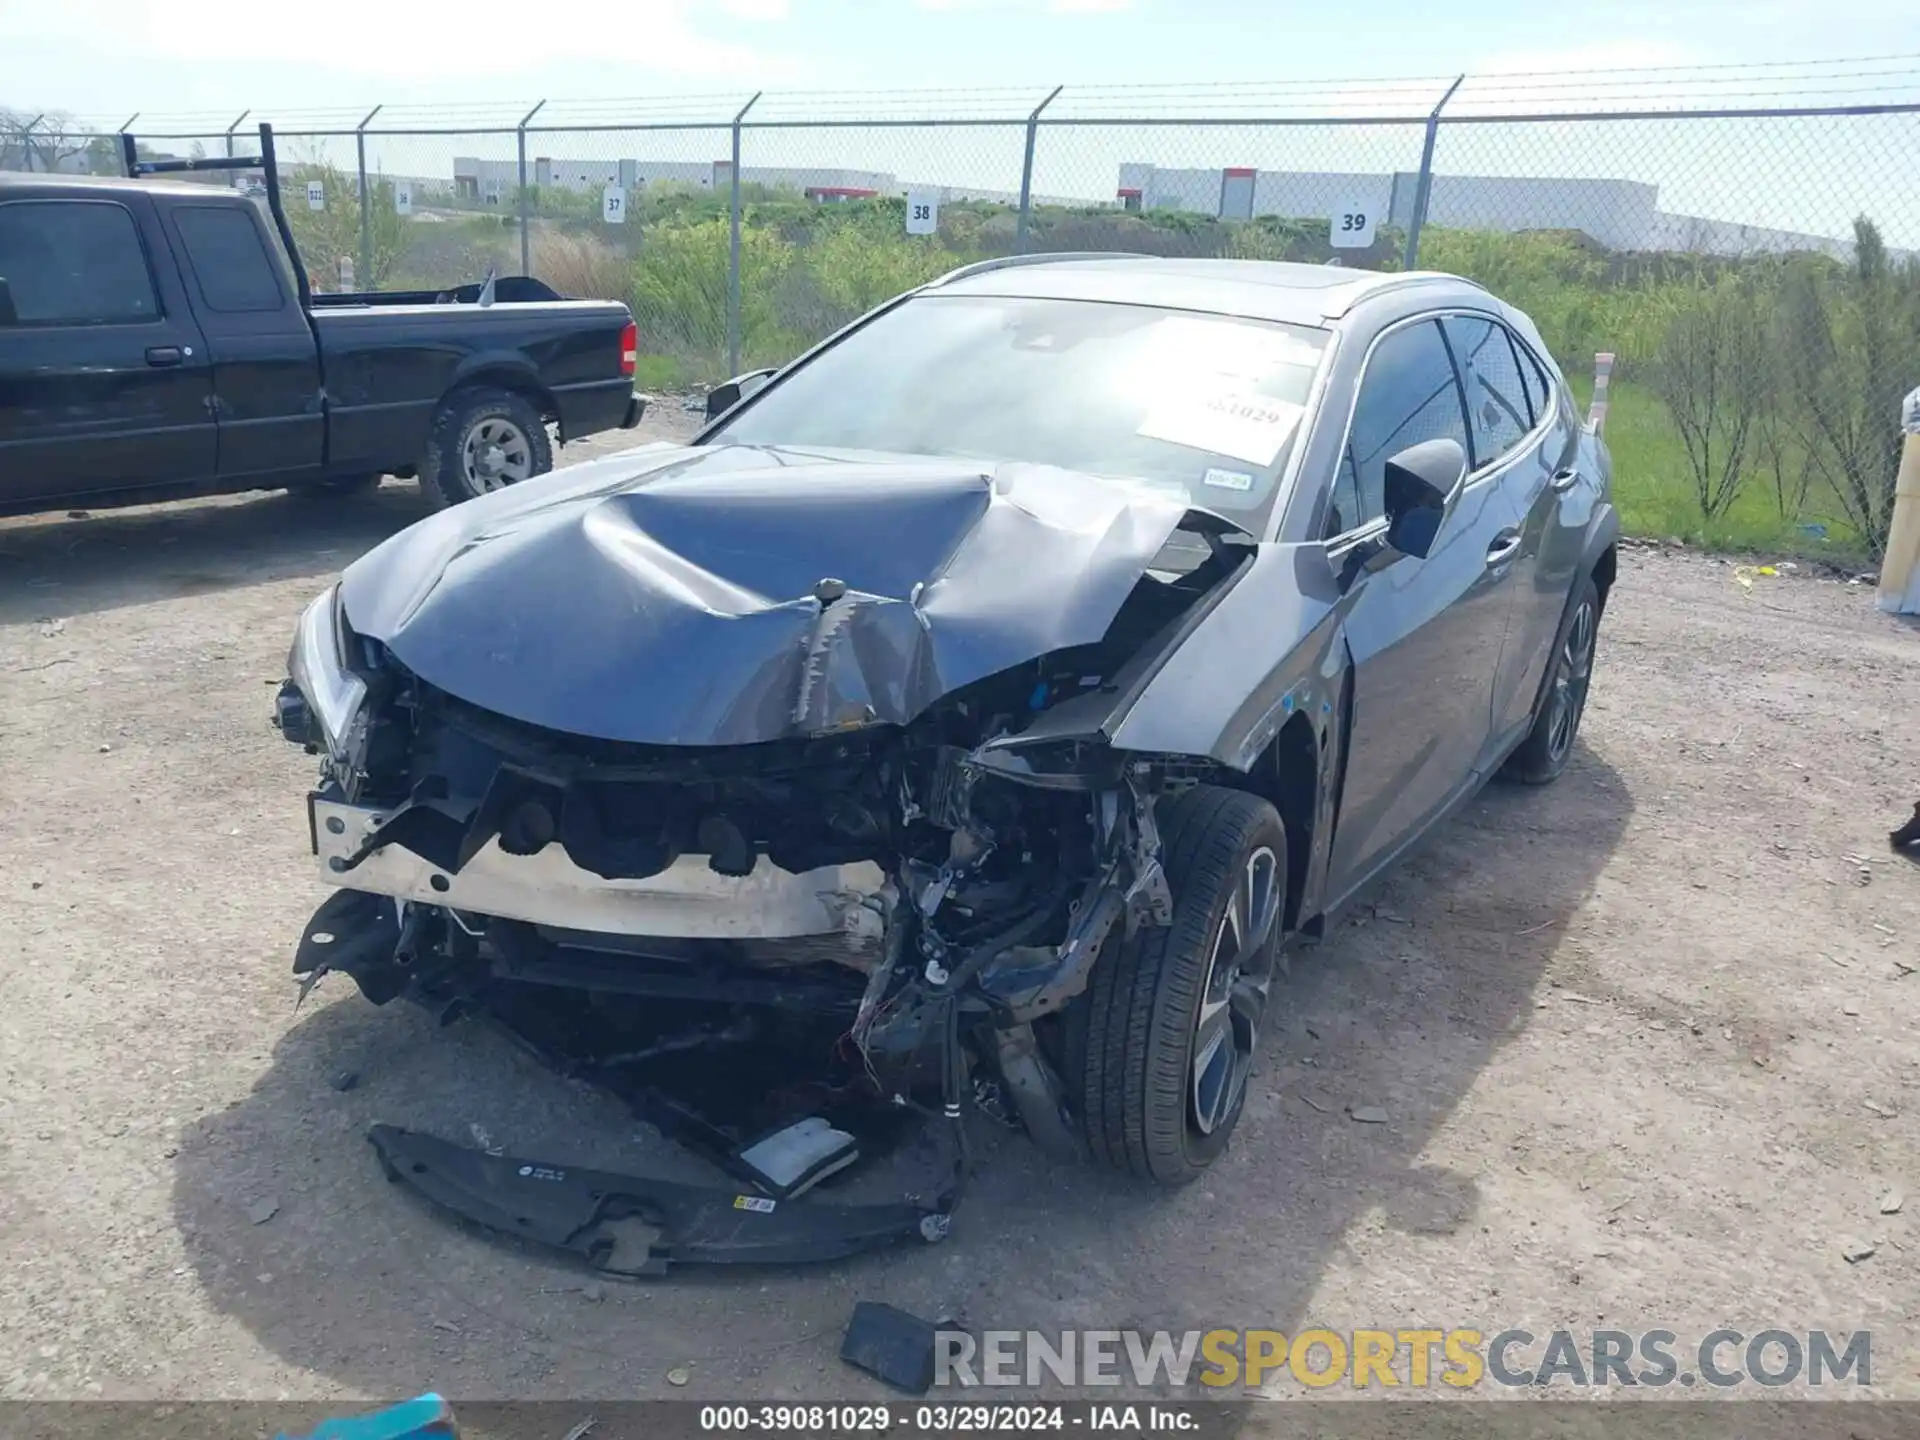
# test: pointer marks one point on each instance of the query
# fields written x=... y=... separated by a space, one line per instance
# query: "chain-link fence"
x=1750 y=261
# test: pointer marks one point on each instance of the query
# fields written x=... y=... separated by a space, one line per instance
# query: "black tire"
x=1543 y=755
x=336 y=487
x=452 y=472
x=1131 y=1038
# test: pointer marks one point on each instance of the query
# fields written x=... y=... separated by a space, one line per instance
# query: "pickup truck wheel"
x=483 y=440
x=1160 y=1046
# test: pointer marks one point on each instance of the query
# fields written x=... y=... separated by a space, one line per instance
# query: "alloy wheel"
x=1572 y=673
x=1239 y=975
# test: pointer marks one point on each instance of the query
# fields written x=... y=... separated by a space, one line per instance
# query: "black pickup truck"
x=158 y=340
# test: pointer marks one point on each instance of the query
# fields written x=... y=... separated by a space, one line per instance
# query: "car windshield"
x=1204 y=406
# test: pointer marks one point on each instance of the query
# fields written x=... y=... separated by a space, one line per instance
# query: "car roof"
x=106 y=185
x=1258 y=289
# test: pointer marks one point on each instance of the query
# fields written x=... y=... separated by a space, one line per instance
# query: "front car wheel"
x=1162 y=1044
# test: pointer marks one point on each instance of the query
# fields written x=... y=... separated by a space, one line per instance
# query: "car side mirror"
x=1422 y=483
x=8 y=315
x=723 y=398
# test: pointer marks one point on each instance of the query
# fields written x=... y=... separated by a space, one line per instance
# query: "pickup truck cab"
x=157 y=342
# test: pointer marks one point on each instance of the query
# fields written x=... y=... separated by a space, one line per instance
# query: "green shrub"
x=680 y=294
x=1849 y=342
x=856 y=267
x=1710 y=370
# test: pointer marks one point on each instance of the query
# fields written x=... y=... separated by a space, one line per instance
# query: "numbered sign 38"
x=1353 y=226
x=613 y=205
x=403 y=197
x=923 y=212
x=316 y=195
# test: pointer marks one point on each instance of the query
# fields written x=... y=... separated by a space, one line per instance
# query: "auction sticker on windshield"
x=1232 y=349
x=1235 y=423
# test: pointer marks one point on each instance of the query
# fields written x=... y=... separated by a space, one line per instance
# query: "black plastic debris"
x=889 y=1343
x=637 y=1225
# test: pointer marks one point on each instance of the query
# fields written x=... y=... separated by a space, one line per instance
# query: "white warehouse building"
x=1619 y=214
x=493 y=182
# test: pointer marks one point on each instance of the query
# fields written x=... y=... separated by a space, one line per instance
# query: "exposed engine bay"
x=769 y=944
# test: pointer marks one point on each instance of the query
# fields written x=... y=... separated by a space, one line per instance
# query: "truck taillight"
x=629 y=347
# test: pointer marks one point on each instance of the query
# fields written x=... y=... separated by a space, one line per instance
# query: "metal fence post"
x=365 y=278
x=26 y=143
x=230 y=129
x=1026 y=173
x=733 y=246
x=1423 y=187
x=520 y=135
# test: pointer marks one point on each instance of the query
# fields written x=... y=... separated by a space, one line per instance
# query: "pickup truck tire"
x=1159 y=1048
x=483 y=440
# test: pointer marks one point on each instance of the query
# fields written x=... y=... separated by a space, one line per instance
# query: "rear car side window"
x=1497 y=404
x=229 y=259
x=1539 y=386
x=1408 y=394
x=74 y=262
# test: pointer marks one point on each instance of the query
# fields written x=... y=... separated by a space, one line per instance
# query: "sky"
x=100 y=58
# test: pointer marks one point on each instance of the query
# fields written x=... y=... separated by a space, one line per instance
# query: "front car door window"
x=1408 y=394
x=70 y=262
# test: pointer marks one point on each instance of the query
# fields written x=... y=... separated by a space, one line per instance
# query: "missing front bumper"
x=686 y=900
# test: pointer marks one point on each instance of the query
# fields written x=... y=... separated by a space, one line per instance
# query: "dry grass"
x=582 y=267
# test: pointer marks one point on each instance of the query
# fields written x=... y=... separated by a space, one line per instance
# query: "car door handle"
x=1505 y=545
x=1563 y=479
x=160 y=356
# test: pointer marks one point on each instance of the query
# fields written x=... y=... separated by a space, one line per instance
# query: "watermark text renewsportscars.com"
x=1217 y=1361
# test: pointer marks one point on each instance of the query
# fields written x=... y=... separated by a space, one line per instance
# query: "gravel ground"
x=1643 y=1039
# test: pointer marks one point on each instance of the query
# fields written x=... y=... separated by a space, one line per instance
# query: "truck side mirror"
x=1422 y=482
x=8 y=315
x=723 y=398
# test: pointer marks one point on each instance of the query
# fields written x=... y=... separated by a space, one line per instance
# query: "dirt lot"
x=1643 y=1039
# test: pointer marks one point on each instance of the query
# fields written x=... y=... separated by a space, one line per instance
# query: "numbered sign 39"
x=1353 y=226
x=613 y=205
x=316 y=195
x=402 y=197
x=923 y=212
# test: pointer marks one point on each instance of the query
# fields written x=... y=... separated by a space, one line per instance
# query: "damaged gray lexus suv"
x=965 y=722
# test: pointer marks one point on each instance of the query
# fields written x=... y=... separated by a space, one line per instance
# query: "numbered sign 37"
x=316 y=195
x=1353 y=226
x=613 y=205
x=923 y=212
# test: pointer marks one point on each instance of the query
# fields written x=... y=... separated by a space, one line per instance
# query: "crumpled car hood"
x=674 y=596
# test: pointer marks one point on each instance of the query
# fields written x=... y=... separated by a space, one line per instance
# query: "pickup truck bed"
x=154 y=345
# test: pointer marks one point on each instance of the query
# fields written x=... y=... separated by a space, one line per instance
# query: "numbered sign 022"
x=1353 y=226
x=923 y=212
